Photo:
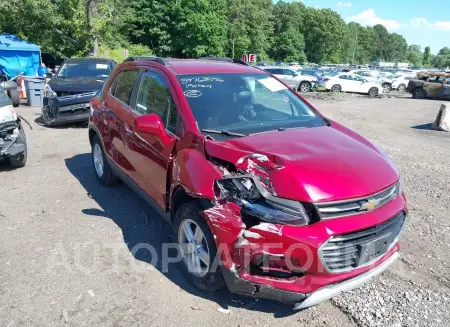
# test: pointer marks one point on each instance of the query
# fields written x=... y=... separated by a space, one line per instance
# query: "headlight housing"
x=49 y=93
x=257 y=202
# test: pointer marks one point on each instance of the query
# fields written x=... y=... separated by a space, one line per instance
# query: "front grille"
x=72 y=95
x=337 y=209
x=353 y=250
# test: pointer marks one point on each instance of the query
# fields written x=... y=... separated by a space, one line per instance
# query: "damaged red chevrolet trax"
x=266 y=195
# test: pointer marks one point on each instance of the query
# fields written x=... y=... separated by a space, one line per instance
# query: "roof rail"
x=232 y=60
x=159 y=60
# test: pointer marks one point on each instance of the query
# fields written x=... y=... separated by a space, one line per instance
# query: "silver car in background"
x=294 y=79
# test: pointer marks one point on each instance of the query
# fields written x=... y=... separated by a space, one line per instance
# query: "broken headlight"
x=48 y=92
x=259 y=203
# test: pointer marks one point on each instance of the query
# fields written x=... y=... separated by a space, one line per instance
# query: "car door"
x=346 y=83
x=360 y=84
x=279 y=73
x=148 y=155
x=290 y=77
x=118 y=116
x=433 y=86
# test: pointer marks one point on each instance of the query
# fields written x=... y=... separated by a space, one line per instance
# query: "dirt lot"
x=65 y=240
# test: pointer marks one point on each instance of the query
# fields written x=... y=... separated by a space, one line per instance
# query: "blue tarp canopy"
x=17 y=56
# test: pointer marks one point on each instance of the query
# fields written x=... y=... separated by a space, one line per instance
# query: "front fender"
x=194 y=173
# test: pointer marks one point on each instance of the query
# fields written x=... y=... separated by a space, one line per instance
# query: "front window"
x=88 y=69
x=245 y=104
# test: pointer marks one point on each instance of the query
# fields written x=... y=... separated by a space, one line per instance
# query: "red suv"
x=266 y=195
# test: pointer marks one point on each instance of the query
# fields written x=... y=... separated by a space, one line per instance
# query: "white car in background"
x=376 y=76
x=400 y=82
x=294 y=79
x=352 y=83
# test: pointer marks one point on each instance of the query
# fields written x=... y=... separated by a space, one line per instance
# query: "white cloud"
x=369 y=18
x=420 y=22
x=344 y=4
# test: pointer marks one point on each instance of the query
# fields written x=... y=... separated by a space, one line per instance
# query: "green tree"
x=414 y=55
x=323 y=30
x=396 y=48
x=382 y=41
x=150 y=22
x=289 y=44
x=444 y=51
x=201 y=28
x=250 y=27
x=427 y=57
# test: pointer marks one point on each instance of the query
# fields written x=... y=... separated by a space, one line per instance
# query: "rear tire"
x=101 y=167
x=211 y=279
x=373 y=92
x=419 y=93
x=14 y=96
x=336 y=88
x=304 y=87
x=401 y=88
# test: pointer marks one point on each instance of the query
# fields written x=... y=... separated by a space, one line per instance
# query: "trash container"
x=34 y=87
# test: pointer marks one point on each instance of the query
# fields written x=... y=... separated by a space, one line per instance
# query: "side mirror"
x=152 y=124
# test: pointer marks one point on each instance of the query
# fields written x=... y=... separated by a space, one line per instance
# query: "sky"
x=426 y=23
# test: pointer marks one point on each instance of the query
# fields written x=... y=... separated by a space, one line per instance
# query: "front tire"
x=20 y=160
x=401 y=88
x=304 y=87
x=199 y=250
x=14 y=96
x=336 y=88
x=101 y=167
x=419 y=93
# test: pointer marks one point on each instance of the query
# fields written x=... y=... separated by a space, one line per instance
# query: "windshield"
x=245 y=103
x=84 y=69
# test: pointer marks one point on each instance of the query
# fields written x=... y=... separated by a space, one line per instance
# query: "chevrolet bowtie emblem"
x=369 y=205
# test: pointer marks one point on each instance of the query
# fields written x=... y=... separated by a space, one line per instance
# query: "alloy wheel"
x=98 y=160
x=194 y=248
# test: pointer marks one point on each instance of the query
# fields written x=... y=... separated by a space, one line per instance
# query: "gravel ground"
x=66 y=242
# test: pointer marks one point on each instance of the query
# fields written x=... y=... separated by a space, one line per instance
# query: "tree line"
x=194 y=28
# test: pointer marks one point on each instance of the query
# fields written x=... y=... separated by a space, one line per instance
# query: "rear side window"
x=124 y=85
x=288 y=72
x=154 y=97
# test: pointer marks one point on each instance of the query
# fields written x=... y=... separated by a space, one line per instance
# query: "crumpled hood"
x=80 y=84
x=315 y=164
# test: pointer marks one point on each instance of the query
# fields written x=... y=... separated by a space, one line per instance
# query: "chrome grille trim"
x=336 y=209
x=343 y=253
x=76 y=96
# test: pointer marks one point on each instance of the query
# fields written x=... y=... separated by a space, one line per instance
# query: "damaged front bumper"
x=10 y=143
x=67 y=109
x=254 y=256
x=241 y=286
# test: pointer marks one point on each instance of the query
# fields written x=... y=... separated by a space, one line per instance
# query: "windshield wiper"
x=223 y=132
